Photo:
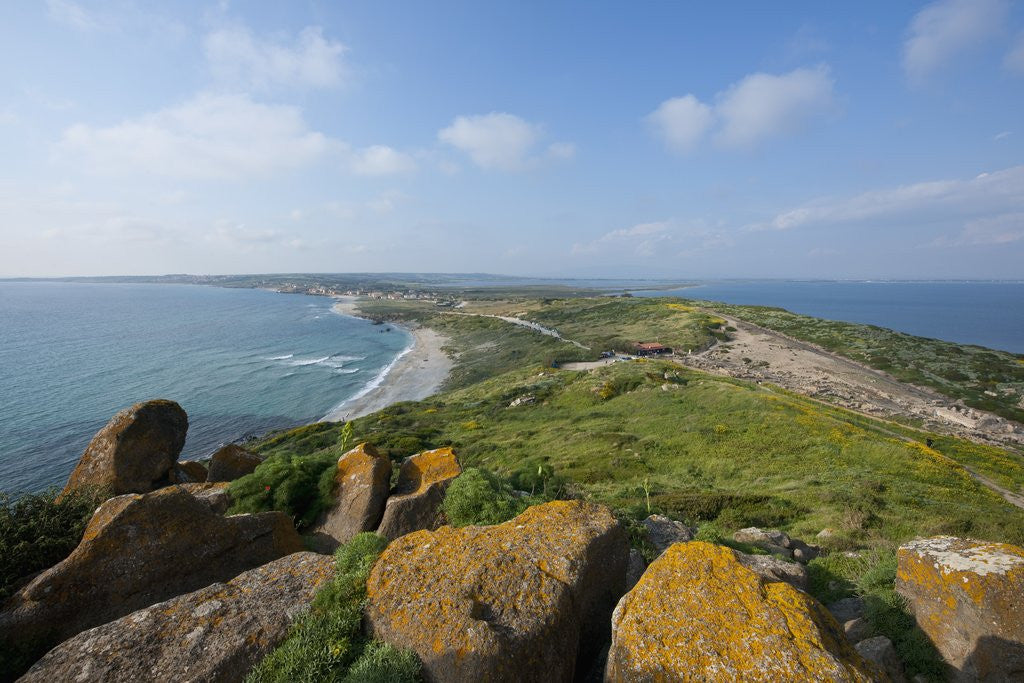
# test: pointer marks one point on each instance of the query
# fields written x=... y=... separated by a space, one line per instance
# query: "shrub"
x=480 y=497
x=326 y=643
x=289 y=483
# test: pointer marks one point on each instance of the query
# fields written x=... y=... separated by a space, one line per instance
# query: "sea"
x=989 y=314
x=239 y=361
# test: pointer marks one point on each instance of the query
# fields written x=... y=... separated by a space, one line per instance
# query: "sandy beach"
x=416 y=374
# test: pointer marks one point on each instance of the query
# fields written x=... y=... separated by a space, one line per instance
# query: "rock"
x=699 y=614
x=215 y=495
x=663 y=532
x=880 y=652
x=825 y=533
x=416 y=502
x=847 y=609
x=775 y=569
x=511 y=602
x=771 y=540
x=968 y=598
x=857 y=629
x=232 y=462
x=361 y=483
x=136 y=551
x=135 y=451
x=526 y=400
x=217 y=633
x=802 y=552
x=194 y=472
x=634 y=567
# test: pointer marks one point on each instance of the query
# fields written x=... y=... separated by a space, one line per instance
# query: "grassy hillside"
x=984 y=378
x=702 y=449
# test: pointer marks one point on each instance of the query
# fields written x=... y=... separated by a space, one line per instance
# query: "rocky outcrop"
x=880 y=652
x=511 y=602
x=135 y=451
x=214 y=634
x=138 y=550
x=775 y=569
x=232 y=462
x=215 y=495
x=361 y=484
x=777 y=543
x=188 y=472
x=661 y=532
x=699 y=614
x=416 y=502
x=968 y=597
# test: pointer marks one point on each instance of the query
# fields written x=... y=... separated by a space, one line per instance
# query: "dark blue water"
x=239 y=361
x=984 y=313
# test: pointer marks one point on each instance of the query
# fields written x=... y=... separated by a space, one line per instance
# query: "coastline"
x=417 y=372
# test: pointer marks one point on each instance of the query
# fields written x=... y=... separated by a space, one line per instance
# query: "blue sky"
x=845 y=140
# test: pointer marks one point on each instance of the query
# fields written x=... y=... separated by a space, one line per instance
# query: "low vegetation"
x=327 y=643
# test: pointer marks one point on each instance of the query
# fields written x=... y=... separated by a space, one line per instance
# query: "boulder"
x=136 y=551
x=968 y=597
x=361 y=484
x=635 y=567
x=135 y=451
x=661 y=532
x=881 y=652
x=416 y=502
x=232 y=462
x=775 y=569
x=846 y=609
x=857 y=629
x=770 y=540
x=519 y=601
x=215 y=495
x=217 y=633
x=188 y=472
x=698 y=613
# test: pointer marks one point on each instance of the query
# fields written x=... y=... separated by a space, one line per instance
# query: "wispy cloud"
x=947 y=28
x=73 y=15
x=500 y=141
x=239 y=59
x=1014 y=60
x=378 y=160
x=757 y=108
x=1002 y=229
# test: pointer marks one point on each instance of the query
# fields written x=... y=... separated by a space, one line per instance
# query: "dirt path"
x=536 y=327
x=759 y=354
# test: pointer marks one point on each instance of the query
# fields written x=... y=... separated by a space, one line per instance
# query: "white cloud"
x=954 y=202
x=658 y=239
x=381 y=160
x=947 y=28
x=561 y=150
x=1014 y=60
x=208 y=136
x=1002 y=229
x=762 y=106
x=1002 y=136
x=641 y=238
x=72 y=14
x=682 y=121
x=238 y=58
x=758 y=107
x=499 y=140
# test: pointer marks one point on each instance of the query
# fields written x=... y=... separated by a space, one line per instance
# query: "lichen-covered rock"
x=138 y=550
x=513 y=602
x=217 y=633
x=419 y=492
x=776 y=569
x=968 y=597
x=215 y=495
x=361 y=483
x=232 y=462
x=661 y=532
x=135 y=451
x=188 y=472
x=881 y=652
x=699 y=614
x=770 y=540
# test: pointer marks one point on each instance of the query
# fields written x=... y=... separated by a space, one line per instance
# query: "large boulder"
x=135 y=452
x=661 y=532
x=232 y=462
x=361 y=484
x=698 y=613
x=968 y=597
x=138 y=550
x=419 y=492
x=217 y=633
x=188 y=472
x=513 y=602
x=776 y=569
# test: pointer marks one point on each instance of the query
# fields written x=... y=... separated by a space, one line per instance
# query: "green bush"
x=326 y=643
x=289 y=483
x=480 y=497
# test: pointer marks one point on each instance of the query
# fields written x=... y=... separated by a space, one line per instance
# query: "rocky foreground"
x=165 y=586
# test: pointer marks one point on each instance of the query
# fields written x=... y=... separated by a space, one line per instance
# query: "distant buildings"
x=650 y=349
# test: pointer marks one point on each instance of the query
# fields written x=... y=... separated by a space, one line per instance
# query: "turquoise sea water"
x=985 y=313
x=239 y=361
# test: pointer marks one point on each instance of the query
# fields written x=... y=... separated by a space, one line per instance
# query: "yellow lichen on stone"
x=699 y=614
x=424 y=469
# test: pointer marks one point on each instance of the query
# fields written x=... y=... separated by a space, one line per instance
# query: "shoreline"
x=416 y=373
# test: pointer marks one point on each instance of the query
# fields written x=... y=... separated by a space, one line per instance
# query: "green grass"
x=956 y=370
x=327 y=643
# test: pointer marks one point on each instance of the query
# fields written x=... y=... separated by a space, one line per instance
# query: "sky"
x=557 y=139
